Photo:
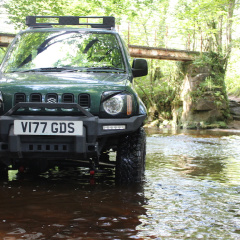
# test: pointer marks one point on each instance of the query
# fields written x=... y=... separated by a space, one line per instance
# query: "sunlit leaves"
x=18 y=10
x=210 y=21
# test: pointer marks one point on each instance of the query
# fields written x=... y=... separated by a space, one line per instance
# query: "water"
x=191 y=191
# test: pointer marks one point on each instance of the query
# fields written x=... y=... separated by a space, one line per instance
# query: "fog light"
x=114 y=127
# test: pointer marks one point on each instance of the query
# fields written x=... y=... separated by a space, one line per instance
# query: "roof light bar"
x=93 y=21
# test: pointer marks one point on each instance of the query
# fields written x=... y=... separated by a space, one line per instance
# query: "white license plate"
x=48 y=127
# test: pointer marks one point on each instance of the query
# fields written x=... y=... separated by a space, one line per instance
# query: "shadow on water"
x=191 y=191
x=65 y=205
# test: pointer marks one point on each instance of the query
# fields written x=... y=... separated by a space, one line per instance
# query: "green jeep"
x=67 y=98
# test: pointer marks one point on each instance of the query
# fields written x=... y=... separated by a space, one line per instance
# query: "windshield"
x=61 y=51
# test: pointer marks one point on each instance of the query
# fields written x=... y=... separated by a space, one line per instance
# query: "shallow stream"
x=191 y=191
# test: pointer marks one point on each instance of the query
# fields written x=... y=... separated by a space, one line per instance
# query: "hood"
x=62 y=80
x=92 y=83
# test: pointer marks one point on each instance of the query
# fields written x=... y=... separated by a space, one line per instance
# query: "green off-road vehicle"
x=67 y=98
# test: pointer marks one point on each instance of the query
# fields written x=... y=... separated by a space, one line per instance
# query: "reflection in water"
x=192 y=187
x=61 y=208
x=214 y=158
x=191 y=192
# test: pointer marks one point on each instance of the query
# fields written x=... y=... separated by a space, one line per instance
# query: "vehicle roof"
x=70 y=29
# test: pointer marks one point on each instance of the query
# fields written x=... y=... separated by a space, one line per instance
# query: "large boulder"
x=234 y=106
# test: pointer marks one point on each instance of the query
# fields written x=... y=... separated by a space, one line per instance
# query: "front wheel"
x=130 y=161
x=3 y=171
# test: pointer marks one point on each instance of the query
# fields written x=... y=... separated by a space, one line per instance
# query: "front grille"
x=36 y=97
x=19 y=97
x=84 y=100
x=68 y=98
x=52 y=98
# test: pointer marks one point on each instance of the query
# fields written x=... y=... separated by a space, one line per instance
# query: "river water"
x=191 y=191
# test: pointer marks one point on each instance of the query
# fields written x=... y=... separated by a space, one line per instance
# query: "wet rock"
x=234 y=106
x=204 y=105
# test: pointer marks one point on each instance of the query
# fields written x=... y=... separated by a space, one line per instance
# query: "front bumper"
x=89 y=144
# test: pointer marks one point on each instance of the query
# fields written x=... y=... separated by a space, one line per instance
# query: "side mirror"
x=139 y=67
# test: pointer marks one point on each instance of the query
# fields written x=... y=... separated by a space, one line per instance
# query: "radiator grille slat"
x=68 y=98
x=36 y=97
x=84 y=100
x=19 y=97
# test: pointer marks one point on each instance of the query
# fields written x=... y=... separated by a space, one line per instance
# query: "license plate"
x=48 y=127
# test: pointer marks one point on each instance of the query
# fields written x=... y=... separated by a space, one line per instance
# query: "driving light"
x=114 y=127
x=113 y=105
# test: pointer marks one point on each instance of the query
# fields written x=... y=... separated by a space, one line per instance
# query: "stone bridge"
x=6 y=39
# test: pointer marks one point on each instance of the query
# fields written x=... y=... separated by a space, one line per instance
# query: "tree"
x=18 y=10
x=210 y=23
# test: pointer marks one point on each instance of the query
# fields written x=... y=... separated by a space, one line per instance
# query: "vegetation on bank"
x=232 y=78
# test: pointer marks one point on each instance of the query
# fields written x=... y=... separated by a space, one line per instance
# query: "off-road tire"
x=3 y=171
x=130 y=160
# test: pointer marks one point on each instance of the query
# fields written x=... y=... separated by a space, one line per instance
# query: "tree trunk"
x=231 y=8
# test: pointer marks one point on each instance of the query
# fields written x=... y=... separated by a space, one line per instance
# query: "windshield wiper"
x=51 y=69
x=106 y=68
x=70 y=69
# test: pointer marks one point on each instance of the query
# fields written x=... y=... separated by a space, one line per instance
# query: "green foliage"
x=213 y=59
x=209 y=20
x=18 y=10
x=232 y=78
x=2 y=52
x=158 y=90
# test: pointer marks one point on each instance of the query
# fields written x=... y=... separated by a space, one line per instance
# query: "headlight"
x=114 y=105
x=117 y=103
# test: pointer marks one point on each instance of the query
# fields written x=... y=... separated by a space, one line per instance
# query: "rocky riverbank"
x=234 y=124
x=234 y=106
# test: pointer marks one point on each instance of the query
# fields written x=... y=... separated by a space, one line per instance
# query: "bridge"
x=6 y=39
x=149 y=47
x=161 y=53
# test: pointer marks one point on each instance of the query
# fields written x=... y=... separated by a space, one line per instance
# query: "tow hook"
x=92 y=179
x=21 y=169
